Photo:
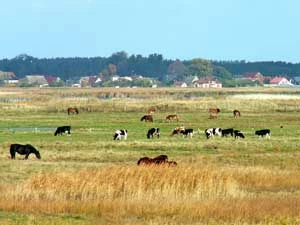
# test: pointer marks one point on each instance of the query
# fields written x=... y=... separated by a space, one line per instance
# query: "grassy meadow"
x=87 y=178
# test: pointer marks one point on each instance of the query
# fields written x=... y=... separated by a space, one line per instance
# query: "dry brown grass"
x=184 y=194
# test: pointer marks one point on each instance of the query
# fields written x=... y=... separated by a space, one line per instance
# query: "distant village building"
x=180 y=84
x=280 y=81
x=253 y=76
x=38 y=80
x=207 y=82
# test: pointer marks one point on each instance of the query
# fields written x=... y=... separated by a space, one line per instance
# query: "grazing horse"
x=159 y=160
x=151 y=110
x=147 y=118
x=172 y=117
x=211 y=132
x=72 y=110
x=236 y=113
x=23 y=150
x=63 y=129
x=214 y=110
x=177 y=130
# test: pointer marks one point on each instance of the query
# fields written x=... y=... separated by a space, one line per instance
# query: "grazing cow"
x=63 y=129
x=23 y=150
x=147 y=118
x=263 y=132
x=160 y=159
x=177 y=130
x=169 y=118
x=211 y=132
x=226 y=132
x=238 y=134
x=187 y=132
x=153 y=132
x=119 y=134
x=236 y=113
x=72 y=110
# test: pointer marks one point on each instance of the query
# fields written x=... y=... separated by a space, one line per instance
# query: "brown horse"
x=236 y=113
x=171 y=117
x=147 y=118
x=159 y=160
x=72 y=110
x=214 y=110
x=151 y=110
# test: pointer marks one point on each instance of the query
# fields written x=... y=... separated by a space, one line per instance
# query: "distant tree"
x=200 y=67
x=176 y=71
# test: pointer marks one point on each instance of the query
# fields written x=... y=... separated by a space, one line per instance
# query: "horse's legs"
x=12 y=154
x=26 y=156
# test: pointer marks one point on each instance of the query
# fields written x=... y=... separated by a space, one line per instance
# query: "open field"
x=87 y=178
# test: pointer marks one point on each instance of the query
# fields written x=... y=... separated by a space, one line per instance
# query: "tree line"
x=153 y=66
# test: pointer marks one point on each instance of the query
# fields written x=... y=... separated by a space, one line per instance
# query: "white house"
x=280 y=81
x=207 y=82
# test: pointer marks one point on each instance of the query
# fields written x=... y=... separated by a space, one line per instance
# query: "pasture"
x=88 y=178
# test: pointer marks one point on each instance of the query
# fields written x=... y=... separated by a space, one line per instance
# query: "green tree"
x=200 y=67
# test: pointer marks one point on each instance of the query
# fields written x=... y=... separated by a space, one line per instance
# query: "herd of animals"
x=28 y=149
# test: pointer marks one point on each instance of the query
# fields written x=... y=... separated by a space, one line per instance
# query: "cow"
x=236 y=113
x=226 y=132
x=263 y=132
x=187 y=132
x=155 y=131
x=171 y=117
x=238 y=134
x=147 y=118
x=63 y=129
x=23 y=150
x=119 y=134
x=211 y=132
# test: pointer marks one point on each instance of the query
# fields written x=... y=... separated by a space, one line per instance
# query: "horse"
x=72 y=110
x=177 y=130
x=214 y=110
x=172 y=117
x=119 y=134
x=151 y=110
x=159 y=160
x=236 y=113
x=23 y=150
x=147 y=118
x=155 y=131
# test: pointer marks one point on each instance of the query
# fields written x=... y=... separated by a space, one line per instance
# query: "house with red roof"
x=253 y=76
x=207 y=82
x=280 y=81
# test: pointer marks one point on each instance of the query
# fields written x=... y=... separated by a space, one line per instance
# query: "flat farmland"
x=88 y=178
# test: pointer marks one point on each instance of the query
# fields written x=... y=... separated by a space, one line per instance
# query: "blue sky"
x=251 y=30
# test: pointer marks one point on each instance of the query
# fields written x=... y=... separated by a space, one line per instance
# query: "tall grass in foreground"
x=162 y=195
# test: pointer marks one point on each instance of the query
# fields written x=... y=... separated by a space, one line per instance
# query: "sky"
x=251 y=30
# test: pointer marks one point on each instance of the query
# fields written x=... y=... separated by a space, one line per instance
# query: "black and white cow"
x=119 y=134
x=187 y=132
x=211 y=132
x=238 y=134
x=263 y=132
x=63 y=129
x=226 y=132
x=153 y=132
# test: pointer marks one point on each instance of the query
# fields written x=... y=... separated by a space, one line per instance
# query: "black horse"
x=23 y=150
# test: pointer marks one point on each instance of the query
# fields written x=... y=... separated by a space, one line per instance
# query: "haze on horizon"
x=212 y=29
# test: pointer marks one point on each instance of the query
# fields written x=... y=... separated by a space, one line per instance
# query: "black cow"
x=63 y=129
x=120 y=133
x=263 y=132
x=238 y=134
x=226 y=132
x=153 y=132
x=23 y=150
x=187 y=132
